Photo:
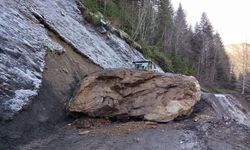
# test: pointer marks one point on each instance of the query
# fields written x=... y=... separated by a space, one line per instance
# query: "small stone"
x=196 y=119
x=137 y=140
x=151 y=123
x=153 y=127
x=102 y=30
x=62 y=13
x=84 y=132
x=65 y=70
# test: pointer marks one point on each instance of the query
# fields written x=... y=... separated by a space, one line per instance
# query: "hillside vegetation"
x=240 y=65
x=168 y=39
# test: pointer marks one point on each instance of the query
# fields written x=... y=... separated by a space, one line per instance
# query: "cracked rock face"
x=151 y=96
x=23 y=45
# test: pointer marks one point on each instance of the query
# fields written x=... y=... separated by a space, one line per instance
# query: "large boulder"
x=152 y=96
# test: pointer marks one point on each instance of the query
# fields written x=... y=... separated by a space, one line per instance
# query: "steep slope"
x=25 y=40
x=46 y=48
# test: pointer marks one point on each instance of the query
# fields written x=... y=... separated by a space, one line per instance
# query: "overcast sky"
x=231 y=18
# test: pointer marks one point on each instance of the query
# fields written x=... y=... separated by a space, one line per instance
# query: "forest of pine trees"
x=168 y=39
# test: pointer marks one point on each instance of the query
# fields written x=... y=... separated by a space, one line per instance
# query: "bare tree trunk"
x=199 y=70
x=105 y=7
x=244 y=68
x=213 y=72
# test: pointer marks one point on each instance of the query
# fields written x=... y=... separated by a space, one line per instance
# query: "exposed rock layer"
x=152 y=96
x=25 y=40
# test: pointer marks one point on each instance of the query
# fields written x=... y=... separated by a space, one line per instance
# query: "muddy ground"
x=211 y=136
x=200 y=131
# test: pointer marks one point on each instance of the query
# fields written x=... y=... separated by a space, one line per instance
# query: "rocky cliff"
x=31 y=29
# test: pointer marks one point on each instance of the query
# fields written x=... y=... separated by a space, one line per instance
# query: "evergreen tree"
x=166 y=26
x=208 y=53
x=197 y=43
x=222 y=63
x=182 y=35
x=181 y=30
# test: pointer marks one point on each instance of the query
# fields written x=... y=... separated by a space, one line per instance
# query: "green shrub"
x=92 y=5
x=153 y=53
x=97 y=18
x=182 y=65
x=169 y=63
x=112 y=11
